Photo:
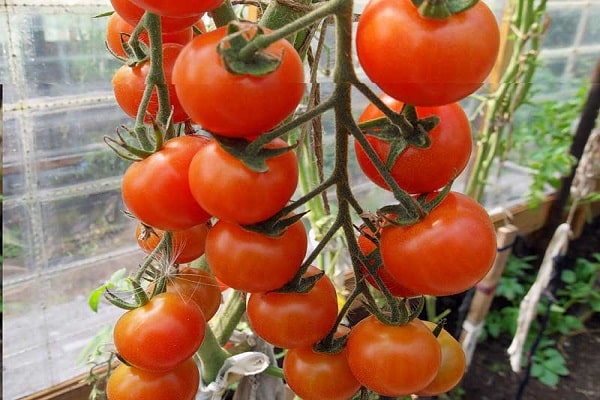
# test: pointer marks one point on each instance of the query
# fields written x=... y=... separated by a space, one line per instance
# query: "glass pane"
x=591 y=36
x=13 y=178
x=563 y=26
x=17 y=249
x=84 y=226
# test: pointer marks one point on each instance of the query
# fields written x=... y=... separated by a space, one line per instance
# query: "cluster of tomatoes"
x=214 y=193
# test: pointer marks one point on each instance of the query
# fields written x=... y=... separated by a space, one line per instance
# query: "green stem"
x=165 y=246
x=223 y=14
x=212 y=355
x=228 y=319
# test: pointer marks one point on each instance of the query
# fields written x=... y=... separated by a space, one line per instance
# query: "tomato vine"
x=256 y=231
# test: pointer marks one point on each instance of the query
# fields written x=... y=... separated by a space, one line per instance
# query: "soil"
x=490 y=378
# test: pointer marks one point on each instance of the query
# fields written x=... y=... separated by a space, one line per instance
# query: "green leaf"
x=568 y=276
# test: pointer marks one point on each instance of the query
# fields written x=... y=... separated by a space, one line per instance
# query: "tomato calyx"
x=239 y=35
x=132 y=152
x=302 y=285
x=275 y=226
x=406 y=130
x=441 y=9
x=254 y=157
x=406 y=213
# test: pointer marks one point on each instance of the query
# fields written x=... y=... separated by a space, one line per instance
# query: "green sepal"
x=255 y=160
x=104 y=14
x=332 y=346
x=400 y=214
x=117 y=279
x=305 y=284
x=275 y=227
x=441 y=9
x=260 y=63
x=438 y=327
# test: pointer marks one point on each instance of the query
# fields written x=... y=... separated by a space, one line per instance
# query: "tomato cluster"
x=225 y=196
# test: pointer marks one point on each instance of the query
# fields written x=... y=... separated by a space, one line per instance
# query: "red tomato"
x=393 y=360
x=290 y=320
x=253 y=262
x=367 y=246
x=250 y=105
x=318 y=376
x=129 y=84
x=422 y=170
x=161 y=334
x=117 y=26
x=231 y=191
x=446 y=253
x=132 y=14
x=156 y=191
x=188 y=244
x=178 y=8
x=424 y=61
x=199 y=286
x=130 y=383
x=452 y=368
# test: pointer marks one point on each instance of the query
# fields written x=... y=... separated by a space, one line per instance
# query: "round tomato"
x=317 y=376
x=367 y=246
x=290 y=320
x=178 y=8
x=254 y=262
x=393 y=360
x=188 y=244
x=424 y=61
x=422 y=170
x=129 y=84
x=199 y=286
x=130 y=383
x=231 y=191
x=161 y=334
x=118 y=29
x=156 y=191
x=446 y=253
x=133 y=14
x=234 y=105
x=452 y=368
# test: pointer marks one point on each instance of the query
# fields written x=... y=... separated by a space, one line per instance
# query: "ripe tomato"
x=231 y=191
x=117 y=26
x=393 y=360
x=367 y=246
x=446 y=253
x=290 y=320
x=452 y=368
x=188 y=244
x=161 y=334
x=254 y=262
x=199 y=286
x=317 y=376
x=251 y=105
x=155 y=190
x=130 y=383
x=422 y=170
x=178 y=8
x=132 y=14
x=129 y=84
x=424 y=61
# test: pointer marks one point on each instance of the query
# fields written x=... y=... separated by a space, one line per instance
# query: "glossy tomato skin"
x=446 y=253
x=132 y=14
x=393 y=360
x=422 y=170
x=290 y=320
x=452 y=368
x=178 y=8
x=117 y=26
x=188 y=244
x=254 y=104
x=129 y=84
x=130 y=383
x=254 y=262
x=319 y=376
x=424 y=61
x=199 y=286
x=156 y=191
x=231 y=191
x=366 y=246
x=161 y=334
